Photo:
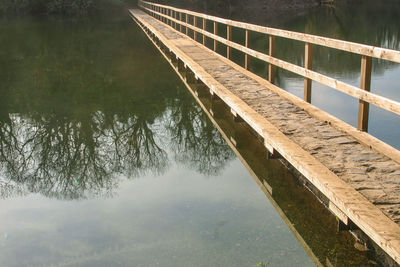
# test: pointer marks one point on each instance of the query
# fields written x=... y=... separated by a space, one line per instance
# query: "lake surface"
x=107 y=160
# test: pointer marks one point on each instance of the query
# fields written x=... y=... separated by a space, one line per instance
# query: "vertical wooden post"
x=271 y=68
x=363 y=107
x=246 y=56
x=229 y=38
x=308 y=65
x=204 y=28
x=216 y=33
x=180 y=19
x=194 y=24
x=174 y=17
x=187 y=22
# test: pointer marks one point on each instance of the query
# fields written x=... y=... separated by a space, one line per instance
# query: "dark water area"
x=106 y=159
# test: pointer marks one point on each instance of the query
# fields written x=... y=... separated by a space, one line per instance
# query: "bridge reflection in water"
x=317 y=229
x=67 y=143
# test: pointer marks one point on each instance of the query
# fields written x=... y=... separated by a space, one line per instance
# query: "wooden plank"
x=216 y=34
x=271 y=67
x=363 y=107
x=246 y=56
x=367 y=216
x=308 y=65
x=356 y=92
x=362 y=49
x=229 y=38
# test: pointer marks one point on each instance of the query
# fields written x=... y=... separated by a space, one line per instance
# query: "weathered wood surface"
x=366 y=50
x=359 y=181
x=379 y=101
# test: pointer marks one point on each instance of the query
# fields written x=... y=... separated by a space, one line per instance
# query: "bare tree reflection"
x=76 y=114
x=68 y=159
x=197 y=143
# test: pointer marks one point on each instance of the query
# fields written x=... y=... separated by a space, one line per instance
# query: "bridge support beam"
x=229 y=38
x=308 y=65
x=363 y=107
x=216 y=33
x=246 y=56
x=271 y=68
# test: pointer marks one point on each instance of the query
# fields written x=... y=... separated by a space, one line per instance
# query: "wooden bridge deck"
x=362 y=185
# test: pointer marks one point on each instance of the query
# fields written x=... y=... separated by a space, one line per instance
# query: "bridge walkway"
x=362 y=184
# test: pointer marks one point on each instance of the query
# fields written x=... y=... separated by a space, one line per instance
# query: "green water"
x=107 y=160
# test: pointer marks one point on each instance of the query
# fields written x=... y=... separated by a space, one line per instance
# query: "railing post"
x=180 y=19
x=271 y=68
x=194 y=24
x=187 y=22
x=246 y=56
x=229 y=38
x=216 y=33
x=204 y=28
x=365 y=84
x=172 y=16
x=308 y=65
x=176 y=17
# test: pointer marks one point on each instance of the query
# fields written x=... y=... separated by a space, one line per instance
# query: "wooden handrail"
x=362 y=93
x=362 y=49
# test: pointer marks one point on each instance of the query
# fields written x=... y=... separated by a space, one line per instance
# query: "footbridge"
x=357 y=174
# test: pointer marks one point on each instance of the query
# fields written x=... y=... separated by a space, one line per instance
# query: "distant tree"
x=65 y=7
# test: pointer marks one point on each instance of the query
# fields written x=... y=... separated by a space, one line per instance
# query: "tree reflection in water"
x=86 y=102
x=66 y=159
x=197 y=142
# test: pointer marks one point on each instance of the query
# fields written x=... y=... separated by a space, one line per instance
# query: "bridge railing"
x=180 y=20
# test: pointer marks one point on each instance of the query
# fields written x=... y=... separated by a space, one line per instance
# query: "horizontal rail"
x=351 y=90
x=362 y=49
